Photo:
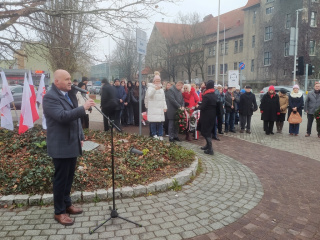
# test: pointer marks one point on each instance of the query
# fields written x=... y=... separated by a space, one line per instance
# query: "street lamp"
x=296 y=48
x=217 y=48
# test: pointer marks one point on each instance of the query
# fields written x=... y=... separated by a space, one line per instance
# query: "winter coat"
x=81 y=100
x=229 y=102
x=64 y=130
x=247 y=104
x=208 y=113
x=312 y=102
x=220 y=102
x=295 y=100
x=174 y=101
x=120 y=94
x=270 y=107
x=109 y=102
x=284 y=103
x=155 y=102
x=191 y=98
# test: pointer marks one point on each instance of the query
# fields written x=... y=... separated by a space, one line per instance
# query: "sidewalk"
x=254 y=187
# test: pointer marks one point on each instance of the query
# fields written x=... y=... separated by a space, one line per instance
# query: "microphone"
x=135 y=151
x=79 y=89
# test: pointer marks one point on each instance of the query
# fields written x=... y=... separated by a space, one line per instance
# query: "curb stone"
x=159 y=186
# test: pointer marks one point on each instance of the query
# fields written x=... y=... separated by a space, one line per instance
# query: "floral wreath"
x=317 y=117
x=181 y=119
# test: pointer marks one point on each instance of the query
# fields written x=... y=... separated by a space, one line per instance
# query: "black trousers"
x=245 y=120
x=62 y=182
x=219 y=122
x=110 y=114
x=268 y=126
x=310 y=121
x=136 y=113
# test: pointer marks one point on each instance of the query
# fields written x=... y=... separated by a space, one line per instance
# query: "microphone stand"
x=114 y=213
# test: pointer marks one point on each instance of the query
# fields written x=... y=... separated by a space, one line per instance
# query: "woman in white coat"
x=155 y=102
x=81 y=101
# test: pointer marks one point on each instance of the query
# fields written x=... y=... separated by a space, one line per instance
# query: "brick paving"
x=276 y=175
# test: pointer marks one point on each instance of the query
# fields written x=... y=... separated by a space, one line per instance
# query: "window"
x=286 y=49
x=212 y=51
x=235 y=46
x=240 y=45
x=314 y=0
x=269 y=10
x=252 y=65
x=268 y=33
x=269 y=1
x=209 y=70
x=225 y=69
x=312 y=46
x=235 y=66
x=288 y=21
x=213 y=69
x=226 y=48
x=267 y=58
x=313 y=19
x=221 y=49
x=253 y=41
x=254 y=17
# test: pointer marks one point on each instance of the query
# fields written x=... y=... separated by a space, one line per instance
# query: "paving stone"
x=47 y=198
x=21 y=199
x=76 y=196
x=88 y=196
x=7 y=200
x=102 y=194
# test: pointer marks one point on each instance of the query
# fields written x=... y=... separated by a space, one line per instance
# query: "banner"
x=35 y=115
x=233 y=78
x=40 y=94
x=6 y=99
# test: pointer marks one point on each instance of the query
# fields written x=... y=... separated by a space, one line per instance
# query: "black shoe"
x=226 y=131
x=233 y=131
x=216 y=138
x=272 y=133
x=177 y=139
x=241 y=131
x=220 y=133
x=267 y=133
x=171 y=140
x=210 y=152
x=205 y=147
x=248 y=131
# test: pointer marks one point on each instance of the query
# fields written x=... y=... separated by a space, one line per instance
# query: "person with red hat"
x=270 y=109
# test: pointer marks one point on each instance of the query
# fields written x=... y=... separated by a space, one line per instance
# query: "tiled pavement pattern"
x=223 y=193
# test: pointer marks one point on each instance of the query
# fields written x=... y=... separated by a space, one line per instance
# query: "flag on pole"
x=35 y=115
x=26 y=120
x=6 y=99
x=40 y=94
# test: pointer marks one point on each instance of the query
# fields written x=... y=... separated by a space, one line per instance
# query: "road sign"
x=141 y=42
x=233 y=78
x=241 y=65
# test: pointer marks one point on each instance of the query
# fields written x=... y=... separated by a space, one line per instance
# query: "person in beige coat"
x=284 y=102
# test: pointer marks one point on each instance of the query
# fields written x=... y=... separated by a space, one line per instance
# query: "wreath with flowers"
x=317 y=117
x=181 y=119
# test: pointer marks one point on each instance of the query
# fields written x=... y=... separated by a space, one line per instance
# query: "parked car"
x=95 y=90
x=277 y=89
x=16 y=91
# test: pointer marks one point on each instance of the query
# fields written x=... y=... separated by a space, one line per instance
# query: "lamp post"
x=296 y=48
x=217 y=47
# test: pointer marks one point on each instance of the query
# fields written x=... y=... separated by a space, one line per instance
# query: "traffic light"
x=300 y=68
x=310 y=69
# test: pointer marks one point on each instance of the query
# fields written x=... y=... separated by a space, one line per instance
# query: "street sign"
x=233 y=78
x=241 y=65
x=141 y=42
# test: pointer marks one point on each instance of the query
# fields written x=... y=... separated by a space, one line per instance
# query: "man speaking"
x=64 y=141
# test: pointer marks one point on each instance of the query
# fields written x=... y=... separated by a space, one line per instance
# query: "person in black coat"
x=270 y=109
x=208 y=115
x=296 y=104
x=64 y=141
x=247 y=106
x=109 y=103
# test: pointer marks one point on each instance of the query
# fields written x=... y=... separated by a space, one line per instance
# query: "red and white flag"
x=35 y=115
x=40 y=94
x=6 y=99
x=26 y=120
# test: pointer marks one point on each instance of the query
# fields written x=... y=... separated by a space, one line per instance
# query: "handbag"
x=295 y=118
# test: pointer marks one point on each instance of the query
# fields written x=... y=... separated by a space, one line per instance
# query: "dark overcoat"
x=208 y=114
x=248 y=104
x=229 y=102
x=174 y=100
x=295 y=102
x=64 y=130
x=109 y=102
x=270 y=107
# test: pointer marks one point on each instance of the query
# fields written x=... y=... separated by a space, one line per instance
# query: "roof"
x=230 y=33
x=251 y=3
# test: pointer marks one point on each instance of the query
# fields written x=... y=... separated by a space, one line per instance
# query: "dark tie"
x=67 y=97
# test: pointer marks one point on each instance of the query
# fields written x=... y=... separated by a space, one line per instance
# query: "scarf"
x=295 y=95
x=208 y=91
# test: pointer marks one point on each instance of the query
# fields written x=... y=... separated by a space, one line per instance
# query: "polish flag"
x=6 y=99
x=35 y=115
x=40 y=94
x=26 y=120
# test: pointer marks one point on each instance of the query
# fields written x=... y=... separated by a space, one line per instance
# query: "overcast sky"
x=203 y=7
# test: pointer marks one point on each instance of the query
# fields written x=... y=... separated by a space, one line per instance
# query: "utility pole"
x=217 y=47
x=296 y=49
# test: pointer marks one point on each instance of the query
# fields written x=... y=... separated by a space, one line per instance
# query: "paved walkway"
x=266 y=187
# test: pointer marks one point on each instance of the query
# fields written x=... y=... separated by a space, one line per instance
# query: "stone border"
x=102 y=194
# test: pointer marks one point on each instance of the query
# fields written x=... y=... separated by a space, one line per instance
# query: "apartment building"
x=258 y=34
